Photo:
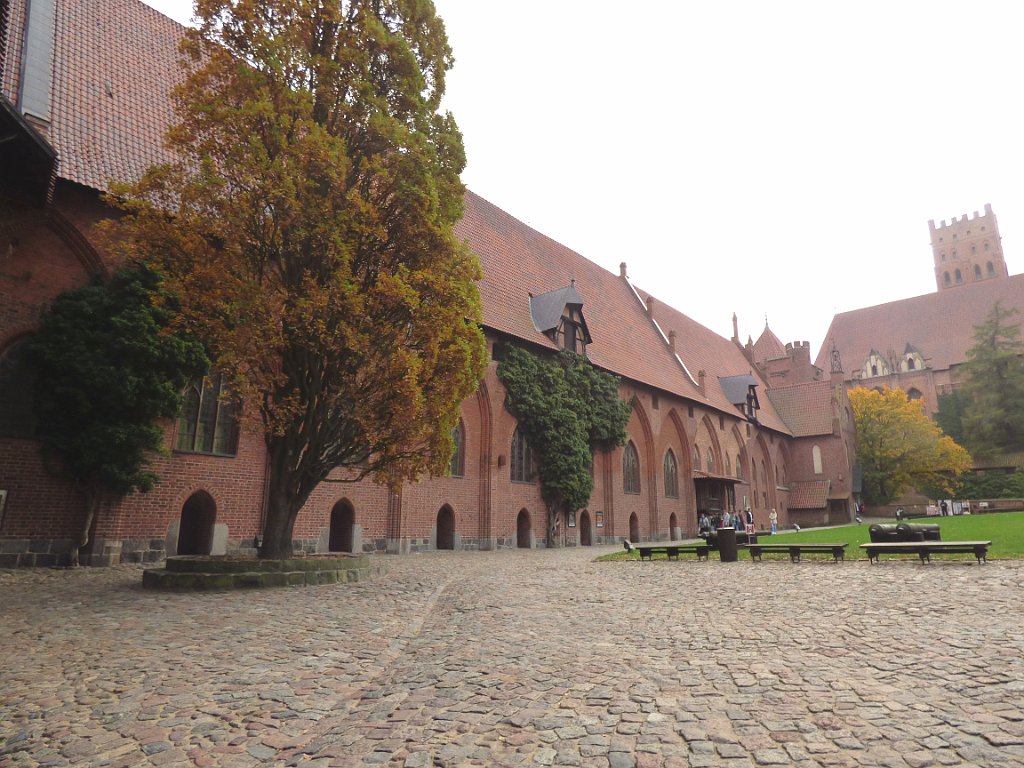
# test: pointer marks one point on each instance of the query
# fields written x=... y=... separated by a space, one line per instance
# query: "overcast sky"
x=776 y=159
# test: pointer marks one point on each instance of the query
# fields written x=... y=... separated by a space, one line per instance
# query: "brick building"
x=84 y=100
x=919 y=344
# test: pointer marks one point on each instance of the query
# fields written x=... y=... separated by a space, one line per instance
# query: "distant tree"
x=308 y=230
x=950 y=415
x=991 y=485
x=993 y=418
x=567 y=409
x=107 y=370
x=899 y=447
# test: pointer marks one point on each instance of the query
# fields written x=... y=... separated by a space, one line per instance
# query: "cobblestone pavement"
x=522 y=658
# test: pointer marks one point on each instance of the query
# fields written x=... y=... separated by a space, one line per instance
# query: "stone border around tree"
x=196 y=573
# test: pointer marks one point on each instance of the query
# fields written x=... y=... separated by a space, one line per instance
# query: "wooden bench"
x=671 y=549
x=925 y=549
x=837 y=550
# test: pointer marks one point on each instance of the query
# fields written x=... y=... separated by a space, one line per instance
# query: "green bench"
x=837 y=550
x=925 y=549
x=671 y=549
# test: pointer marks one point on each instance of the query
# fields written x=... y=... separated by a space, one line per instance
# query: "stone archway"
x=445 y=528
x=634 y=527
x=343 y=519
x=195 y=531
x=586 y=533
x=524 y=526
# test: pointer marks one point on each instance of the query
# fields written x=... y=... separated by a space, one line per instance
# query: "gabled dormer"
x=742 y=392
x=559 y=316
x=912 y=359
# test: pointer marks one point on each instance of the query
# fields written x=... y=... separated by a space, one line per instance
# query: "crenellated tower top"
x=967 y=250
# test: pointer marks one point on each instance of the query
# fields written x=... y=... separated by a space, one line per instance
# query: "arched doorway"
x=195 y=531
x=673 y=524
x=343 y=517
x=634 y=527
x=446 y=528
x=523 y=528
x=586 y=535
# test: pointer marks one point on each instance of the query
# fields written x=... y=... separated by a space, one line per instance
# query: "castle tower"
x=967 y=250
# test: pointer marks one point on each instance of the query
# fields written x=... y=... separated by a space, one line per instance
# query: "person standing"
x=773 y=518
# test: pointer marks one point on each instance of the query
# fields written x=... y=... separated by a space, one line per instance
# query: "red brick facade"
x=678 y=374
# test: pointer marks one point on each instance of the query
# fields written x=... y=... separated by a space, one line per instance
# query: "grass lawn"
x=1004 y=529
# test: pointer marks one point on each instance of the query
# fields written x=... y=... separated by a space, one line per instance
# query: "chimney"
x=735 y=328
x=34 y=89
x=701 y=375
x=650 y=307
x=622 y=269
x=672 y=341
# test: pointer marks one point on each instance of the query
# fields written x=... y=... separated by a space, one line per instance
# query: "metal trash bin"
x=727 y=550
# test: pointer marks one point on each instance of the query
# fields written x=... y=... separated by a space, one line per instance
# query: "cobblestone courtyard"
x=522 y=658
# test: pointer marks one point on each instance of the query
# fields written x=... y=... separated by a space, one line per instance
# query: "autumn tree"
x=107 y=370
x=993 y=414
x=899 y=447
x=308 y=230
x=567 y=409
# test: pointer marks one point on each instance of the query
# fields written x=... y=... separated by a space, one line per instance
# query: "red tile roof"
x=768 y=346
x=806 y=408
x=811 y=494
x=940 y=325
x=115 y=63
x=702 y=349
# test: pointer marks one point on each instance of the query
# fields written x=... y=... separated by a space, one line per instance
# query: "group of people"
x=739 y=520
x=725 y=519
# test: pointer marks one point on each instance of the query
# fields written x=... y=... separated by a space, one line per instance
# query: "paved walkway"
x=523 y=658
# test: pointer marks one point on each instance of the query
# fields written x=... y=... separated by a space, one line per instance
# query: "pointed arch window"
x=522 y=459
x=959 y=277
x=208 y=422
x=977 y=272
x=457 y=465
x=728 y=466
x=16 y=385
x=990 y=269
x=711 y=461
x=630 y=469
x=946 y=279
x=696 y=457
x=816 y=458
x=671 y=470
x=739 y=467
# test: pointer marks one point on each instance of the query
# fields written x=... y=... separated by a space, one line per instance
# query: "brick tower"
x=967 y=250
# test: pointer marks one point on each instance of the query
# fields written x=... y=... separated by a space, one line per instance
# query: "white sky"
x=776 y=159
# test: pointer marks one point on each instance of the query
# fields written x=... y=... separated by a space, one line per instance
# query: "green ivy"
x=566 y=408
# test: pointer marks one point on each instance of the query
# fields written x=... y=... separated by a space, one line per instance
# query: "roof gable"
x=940 y=325
x=806 y=408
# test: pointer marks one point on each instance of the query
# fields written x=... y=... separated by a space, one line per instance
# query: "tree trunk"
x=277 y=530
x=92 y=504
x=554 y=510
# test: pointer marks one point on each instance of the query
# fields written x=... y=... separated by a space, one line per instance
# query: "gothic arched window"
x=522 y=459
x=671 y=470
x=630 y=469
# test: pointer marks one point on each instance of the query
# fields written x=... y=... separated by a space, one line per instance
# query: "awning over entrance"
x=699 y=474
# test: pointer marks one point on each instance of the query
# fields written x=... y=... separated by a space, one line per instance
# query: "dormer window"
x=571 y=334
x=559 y=316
